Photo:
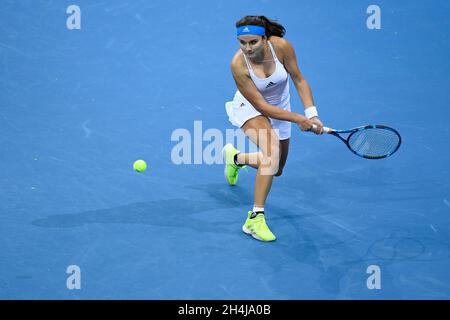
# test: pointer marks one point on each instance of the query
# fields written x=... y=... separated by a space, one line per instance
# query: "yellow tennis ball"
x=140 y=165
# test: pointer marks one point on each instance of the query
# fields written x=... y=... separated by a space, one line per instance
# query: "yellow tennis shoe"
x=231 y=168
x=257 y=227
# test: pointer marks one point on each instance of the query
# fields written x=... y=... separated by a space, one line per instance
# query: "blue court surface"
x=79 y=106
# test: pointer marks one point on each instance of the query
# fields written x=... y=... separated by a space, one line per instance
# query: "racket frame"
x=357 y=129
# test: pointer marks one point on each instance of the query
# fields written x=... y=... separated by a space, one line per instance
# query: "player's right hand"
x=308 y=125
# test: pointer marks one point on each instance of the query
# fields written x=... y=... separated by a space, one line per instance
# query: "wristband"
x=311 y=112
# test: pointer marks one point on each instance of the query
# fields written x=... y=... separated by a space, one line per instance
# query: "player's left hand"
x=318 y=123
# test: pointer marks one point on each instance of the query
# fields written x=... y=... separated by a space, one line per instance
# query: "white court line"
x=14 y=49
x=341 y=226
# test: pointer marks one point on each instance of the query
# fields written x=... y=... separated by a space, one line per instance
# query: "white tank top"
x=275 y=88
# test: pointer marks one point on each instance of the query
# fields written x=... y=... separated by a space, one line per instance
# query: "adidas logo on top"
x=246 y=30
x=270 y=84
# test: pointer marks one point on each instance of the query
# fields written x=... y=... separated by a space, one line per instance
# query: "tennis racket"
x=370 y=141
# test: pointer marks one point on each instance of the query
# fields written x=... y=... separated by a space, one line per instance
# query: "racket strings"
x=375 y=142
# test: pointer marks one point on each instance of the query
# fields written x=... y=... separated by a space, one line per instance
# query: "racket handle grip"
x=325 y=129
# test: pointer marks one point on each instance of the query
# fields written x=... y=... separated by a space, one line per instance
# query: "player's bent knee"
x=269 y=171
x=270 y=160
x=270 y=166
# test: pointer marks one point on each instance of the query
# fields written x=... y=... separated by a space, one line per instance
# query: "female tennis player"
x=261 y=108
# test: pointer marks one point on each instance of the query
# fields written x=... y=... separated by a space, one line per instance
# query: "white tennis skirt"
x=240 y=110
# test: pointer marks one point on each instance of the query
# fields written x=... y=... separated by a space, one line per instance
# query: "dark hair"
x=273 y=28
